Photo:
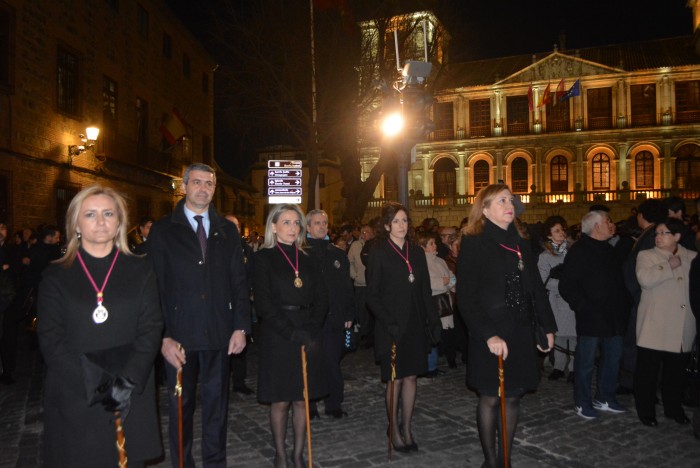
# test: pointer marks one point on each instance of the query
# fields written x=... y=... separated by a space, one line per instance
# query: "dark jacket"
x=389 y=294
x=76 y=434
x=203 y=300
x=483 y=266
x=694 y=288
x=334 y=268
x=629 y=267
x=592 y=283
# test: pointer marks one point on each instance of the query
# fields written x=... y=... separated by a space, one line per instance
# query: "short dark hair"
x=47 y=230
x=653 y=210
x=675 y=204
x=674 y=225
x=550 y=222
x=389 y=212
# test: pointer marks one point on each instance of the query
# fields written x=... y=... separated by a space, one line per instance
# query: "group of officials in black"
x=104 y=313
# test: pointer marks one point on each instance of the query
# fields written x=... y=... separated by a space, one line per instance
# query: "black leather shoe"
x=556 y=375
x=244 y=389
x=680 y=419
x=401 y=448
x=651 y=422
x=337 y=414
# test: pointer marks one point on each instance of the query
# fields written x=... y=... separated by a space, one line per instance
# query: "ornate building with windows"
x=565 y=129
x=129 y=68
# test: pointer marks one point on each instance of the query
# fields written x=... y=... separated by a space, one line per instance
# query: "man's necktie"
x=201 y=235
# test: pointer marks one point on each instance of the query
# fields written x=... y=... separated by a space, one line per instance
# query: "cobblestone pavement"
x=549 y=433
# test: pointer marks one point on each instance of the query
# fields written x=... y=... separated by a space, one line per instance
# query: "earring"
x=77 y=234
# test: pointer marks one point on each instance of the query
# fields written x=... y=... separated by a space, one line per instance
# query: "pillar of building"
x=461 y=186
x=499 y=167
x=580 y=169
x=622 y=167
x=427 y=173
x=668 y=165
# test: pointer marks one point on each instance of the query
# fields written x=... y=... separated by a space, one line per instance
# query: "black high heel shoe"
x=399 y=448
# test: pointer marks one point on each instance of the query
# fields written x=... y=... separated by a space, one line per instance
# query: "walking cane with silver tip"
x=121 y=440
x=391 y=395
x=502 y=394
x=306 y=404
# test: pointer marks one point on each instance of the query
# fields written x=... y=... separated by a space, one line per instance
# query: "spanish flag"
x=174 y=127
x=545 y=98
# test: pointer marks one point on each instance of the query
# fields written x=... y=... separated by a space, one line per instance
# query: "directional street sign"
x=284 y=163
x=283 y=173
x=284 y=182
x=283 y=191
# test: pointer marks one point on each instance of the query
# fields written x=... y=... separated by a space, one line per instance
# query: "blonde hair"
x=483 y=200
x=73 y=212
x=274 y=216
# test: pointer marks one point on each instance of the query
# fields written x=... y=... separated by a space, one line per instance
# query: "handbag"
x=442 y=304
x=540 y=335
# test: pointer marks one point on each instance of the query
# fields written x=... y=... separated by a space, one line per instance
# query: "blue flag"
x=575 y=90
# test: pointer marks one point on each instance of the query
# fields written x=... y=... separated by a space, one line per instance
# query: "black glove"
x=301 y=337
x=393 y=331
x=555 y=272
x=119 y=398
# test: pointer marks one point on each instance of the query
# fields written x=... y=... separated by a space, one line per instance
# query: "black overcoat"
x=74 y=434
x=594 y=286
x=334 y=265
x=482 y=266
x=203 y=300
x=284 y=311
x=400 y=307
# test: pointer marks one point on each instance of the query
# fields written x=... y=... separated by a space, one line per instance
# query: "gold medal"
x=298 y=283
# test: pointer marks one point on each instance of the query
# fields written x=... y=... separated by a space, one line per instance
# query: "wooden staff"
x=306 y=403
x=178 y=393
x=391 y=395
x=502 y=394
x=121 y=440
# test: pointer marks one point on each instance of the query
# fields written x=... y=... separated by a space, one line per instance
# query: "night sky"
x=497 y=28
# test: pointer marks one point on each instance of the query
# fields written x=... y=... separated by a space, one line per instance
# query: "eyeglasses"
x=661 y=233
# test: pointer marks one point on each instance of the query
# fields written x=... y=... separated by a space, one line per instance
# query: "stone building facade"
x=565 y=129
x=128 y=67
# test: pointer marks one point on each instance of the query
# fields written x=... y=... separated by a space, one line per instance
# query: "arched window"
x=688 y=167
x=559 y=174
x=481 y=175
x=444 y=182
x=600 y=166
x=518 y=175
x=644 y=170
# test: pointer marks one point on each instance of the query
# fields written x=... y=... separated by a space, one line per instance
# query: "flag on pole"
x=575 y=90
x=174 y=127
x=559 y=92
x=529 y=98
x=545 y=98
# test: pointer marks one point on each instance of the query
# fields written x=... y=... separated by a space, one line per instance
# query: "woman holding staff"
x=399 y=295
x=291 y=302
x=500 y=294
x=99 y=329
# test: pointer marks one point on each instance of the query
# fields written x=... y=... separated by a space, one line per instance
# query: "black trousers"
x=646 y=380
x=211 y=369
x=239 y=368
x=333 y=349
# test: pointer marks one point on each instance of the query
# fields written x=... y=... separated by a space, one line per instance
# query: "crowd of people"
x=176 y=301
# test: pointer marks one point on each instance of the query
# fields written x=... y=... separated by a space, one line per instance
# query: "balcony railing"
x=551 y=198
x=568 y=125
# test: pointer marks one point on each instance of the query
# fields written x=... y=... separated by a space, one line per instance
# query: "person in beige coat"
x=665 y=324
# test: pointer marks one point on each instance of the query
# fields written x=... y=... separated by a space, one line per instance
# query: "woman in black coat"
x=292 y=303
x=498 y=284
x=399 y=296
x=99 y=348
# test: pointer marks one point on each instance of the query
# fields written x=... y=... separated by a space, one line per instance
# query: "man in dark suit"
x=197 y=258
x=334 y=266
x=239 y=366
